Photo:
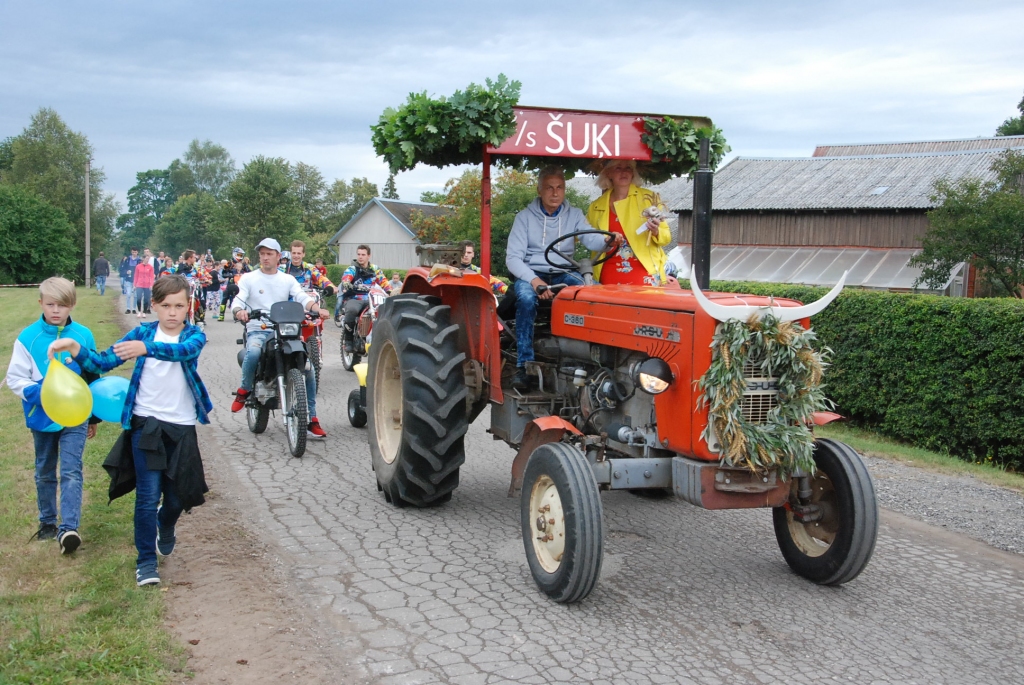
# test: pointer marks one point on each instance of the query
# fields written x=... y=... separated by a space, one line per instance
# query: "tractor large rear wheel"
x=836 y=547
x=561 y=516
x=416 y=401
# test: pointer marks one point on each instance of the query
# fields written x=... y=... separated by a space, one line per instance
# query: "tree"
x=434 y=197
x=27 y=226
x=151 y=196
x=981 y=223
x=210 y=166
x=344 y=200
x=48 y=159
x=390 y=192
x=310 y=189
x=261 y=203
x=1014 y=126
x=192 y=223
x=511 y=191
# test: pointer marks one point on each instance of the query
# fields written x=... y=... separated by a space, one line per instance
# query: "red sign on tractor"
x=565 y=133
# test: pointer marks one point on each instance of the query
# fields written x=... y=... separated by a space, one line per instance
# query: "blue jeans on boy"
x=149 y=486
x=65 y=446
x=526 y=311
x=101 y=284
x=254 y=342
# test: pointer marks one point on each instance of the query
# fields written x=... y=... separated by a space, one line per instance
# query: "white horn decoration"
x=721 y=312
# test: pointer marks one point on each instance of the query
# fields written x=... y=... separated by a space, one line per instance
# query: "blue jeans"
x=254 y=342
x=101 y=284
x=66 y=446
x=149 y=486
x=142 y=296
x=129 y=295
x=526 y=311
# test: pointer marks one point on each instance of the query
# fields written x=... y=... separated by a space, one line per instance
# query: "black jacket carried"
x=168 y=447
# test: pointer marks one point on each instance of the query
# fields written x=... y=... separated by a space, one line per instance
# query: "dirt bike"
x=280 y=374
x=364 y=325
x=313 y=336
x=196 y=304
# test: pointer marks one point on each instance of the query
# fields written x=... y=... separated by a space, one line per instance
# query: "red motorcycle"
x=312 y=336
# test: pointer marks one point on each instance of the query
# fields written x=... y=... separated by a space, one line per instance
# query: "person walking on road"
x=100 y=271
x=143 y=282
x=127 y=273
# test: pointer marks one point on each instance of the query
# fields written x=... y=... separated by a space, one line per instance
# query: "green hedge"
x=942 y=373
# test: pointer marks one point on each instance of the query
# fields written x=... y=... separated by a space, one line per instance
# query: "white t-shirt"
x=257 y=290
x=163 y=390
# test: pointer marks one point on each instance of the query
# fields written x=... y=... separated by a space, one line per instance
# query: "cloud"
x=306 y=80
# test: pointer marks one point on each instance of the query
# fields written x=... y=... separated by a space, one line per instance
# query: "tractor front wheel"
x=416 y=401
x=834 y=545
x=561 y=517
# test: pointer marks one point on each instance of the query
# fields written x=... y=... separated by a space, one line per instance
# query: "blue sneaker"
x=165 y=539
x=147 y=576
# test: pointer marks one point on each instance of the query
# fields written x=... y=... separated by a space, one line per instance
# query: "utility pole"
x=700 y=249
x=88 y=246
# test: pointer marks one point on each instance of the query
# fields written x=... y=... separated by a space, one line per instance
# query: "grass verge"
x=77 y=618
x=875 y=445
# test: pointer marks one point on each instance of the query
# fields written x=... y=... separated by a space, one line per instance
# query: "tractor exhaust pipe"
x=700 y=247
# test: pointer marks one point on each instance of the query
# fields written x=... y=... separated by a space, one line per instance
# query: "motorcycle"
x=313 y=336
x=364 y=326
x=280 y=382
x=196 y=304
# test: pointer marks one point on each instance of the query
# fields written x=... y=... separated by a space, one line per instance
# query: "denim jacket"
x=186 y=351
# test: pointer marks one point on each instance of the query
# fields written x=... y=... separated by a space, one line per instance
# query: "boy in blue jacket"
x=158 y=454
x=53 y=443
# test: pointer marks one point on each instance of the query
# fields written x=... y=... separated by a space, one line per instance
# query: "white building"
x=386 y=227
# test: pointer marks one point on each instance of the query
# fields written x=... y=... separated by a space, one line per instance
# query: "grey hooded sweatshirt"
x=534 y=229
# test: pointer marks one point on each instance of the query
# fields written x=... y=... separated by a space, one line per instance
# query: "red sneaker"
x=315 y=430
x=239 y=403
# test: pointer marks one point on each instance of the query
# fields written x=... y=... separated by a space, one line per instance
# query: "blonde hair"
x=604 y=183
x=61 y=290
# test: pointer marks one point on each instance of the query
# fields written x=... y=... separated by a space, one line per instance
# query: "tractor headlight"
x=653 y=376
x=289 y=329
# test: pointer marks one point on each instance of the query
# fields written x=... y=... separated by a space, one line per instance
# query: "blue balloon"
x=108 y=397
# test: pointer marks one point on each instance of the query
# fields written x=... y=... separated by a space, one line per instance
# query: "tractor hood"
x=665 y=299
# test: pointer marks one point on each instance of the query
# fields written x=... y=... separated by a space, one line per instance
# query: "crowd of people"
x=158 y=452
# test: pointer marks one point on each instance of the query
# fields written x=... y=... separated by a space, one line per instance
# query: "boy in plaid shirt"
x=158 y=454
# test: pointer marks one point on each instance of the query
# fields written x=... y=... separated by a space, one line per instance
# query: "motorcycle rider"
x=260 y=290
x=355 y=285
x=305 y=273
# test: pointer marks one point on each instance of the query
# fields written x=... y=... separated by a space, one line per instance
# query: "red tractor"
x=616 y=407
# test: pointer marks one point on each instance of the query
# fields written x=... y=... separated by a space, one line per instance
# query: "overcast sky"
x=305 y=80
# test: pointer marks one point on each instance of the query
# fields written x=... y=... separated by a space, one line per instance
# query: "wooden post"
x=88 y=241
x=485 y=216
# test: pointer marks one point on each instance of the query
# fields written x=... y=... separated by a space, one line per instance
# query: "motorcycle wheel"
x=350 y=359
x=296 y=412
x=316 y=358
x=357 y=407
x=257 y=416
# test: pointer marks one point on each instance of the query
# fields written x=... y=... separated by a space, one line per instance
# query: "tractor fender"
x=537 y=432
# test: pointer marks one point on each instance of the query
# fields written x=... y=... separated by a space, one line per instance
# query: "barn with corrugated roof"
x=858 y=208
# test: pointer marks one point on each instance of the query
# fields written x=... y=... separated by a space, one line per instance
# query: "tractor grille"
x=761 y=396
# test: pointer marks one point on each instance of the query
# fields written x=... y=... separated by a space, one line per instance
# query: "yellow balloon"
x=65 y=396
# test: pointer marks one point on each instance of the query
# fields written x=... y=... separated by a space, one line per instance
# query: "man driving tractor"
x=546 y=218
x=355 y=285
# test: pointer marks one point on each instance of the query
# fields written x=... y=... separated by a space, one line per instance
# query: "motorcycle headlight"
x=289 y=329
x=653 y=376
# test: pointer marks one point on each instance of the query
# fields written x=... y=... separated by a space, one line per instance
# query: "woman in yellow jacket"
x=640 y=260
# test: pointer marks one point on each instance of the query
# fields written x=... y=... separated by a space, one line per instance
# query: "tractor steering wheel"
x=569 y=258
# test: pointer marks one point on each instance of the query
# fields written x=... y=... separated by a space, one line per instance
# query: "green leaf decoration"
x=780 y=350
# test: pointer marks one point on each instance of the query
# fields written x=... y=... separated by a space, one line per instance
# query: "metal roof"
x=821 y=183
x=957 y=144
x=884 y=269
x=398 y=210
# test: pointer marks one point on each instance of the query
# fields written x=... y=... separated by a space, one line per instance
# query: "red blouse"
x=624 y=268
